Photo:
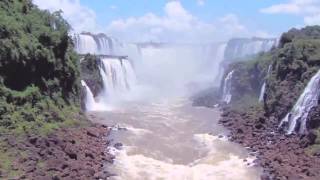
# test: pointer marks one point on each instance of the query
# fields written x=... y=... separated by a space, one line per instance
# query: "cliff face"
x=38 y=68
x=90 y=73
x=248 y=77
x=293 y=64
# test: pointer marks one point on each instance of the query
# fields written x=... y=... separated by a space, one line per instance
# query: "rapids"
x=170 y=139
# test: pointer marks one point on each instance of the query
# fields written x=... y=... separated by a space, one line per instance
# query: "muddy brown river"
x=172 y=140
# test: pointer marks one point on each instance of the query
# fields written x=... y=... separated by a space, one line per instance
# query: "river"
x=172 y=140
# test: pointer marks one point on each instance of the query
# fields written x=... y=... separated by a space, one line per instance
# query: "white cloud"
x=308 y=9
x=231 y=22
x=177 y=24
x=81 y=18
x=200 y=2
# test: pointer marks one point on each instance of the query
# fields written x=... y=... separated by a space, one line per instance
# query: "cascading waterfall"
x=130 y=75
x=103 y=45
x=118 y=76
x=90 y=102
x=296 y=119
x=262 y=91
x=117 y=73
x=85 y=44
x=219 y=59
x=263 y=88
x=256 y=46
x=240 y=48
x=226 y=96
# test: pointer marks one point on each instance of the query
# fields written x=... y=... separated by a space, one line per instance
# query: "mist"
x=176 y=70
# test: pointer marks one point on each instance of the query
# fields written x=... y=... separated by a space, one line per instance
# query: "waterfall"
x=255 y=46
x=103 y=45
x=218 y=61
x=85 y=44
x=297 y=117
x=117 y=75
x=263 y=88
x=90 y=102
x=262 y=91
x=226 y=96
x=240 y=48
x=130 y=75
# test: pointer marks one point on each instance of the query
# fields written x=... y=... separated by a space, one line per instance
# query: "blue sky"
x=186 y=20
x=247 y=11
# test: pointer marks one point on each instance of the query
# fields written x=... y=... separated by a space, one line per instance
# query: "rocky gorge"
x=268 y=97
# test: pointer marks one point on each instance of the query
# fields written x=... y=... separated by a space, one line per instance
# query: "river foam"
x=176 y=141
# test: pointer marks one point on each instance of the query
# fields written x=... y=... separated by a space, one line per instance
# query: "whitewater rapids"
x=170 y=140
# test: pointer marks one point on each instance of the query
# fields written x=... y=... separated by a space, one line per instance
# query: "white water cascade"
x=226 y=96
x=255 y=46
x=263 y=88
x=90 y=102
x=296 y=119
x=117 y=73
x=118 y=77
x=218 y=61
x=103 y=45
x=240 y=48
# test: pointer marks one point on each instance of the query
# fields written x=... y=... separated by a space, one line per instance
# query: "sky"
x=197 y=21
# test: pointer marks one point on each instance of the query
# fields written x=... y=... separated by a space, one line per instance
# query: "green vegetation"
x=294 y=62
x=39 y=73
x=294 y=65
x=7 y=166
x=248 y=78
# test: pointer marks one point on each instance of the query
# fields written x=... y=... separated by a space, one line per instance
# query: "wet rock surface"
x=90 y=73
x=73 y=153
x=282 y=156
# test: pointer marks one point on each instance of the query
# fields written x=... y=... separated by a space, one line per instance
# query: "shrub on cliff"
x=309 y=32
x=294 y=65
x=38 y=67
x=294 y=62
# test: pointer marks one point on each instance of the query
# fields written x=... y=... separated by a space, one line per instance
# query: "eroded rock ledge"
x=72 y=153
x=282 y=156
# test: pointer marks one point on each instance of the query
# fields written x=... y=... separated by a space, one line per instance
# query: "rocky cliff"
x=255 y=124
x=293 y=64
x=90 y=73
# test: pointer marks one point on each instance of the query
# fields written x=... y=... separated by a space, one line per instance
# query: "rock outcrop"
x=72 y=153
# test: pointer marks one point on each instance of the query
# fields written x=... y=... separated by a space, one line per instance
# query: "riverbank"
x=68 y=153
x=281 y=156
